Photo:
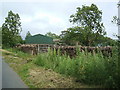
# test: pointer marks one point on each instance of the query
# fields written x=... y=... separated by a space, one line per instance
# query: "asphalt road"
x=0 y=71
x=10 y=79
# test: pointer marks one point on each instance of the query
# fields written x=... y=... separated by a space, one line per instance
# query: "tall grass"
x=18 y=52
x=86 y=67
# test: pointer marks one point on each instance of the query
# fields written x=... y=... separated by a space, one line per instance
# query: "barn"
x=39 y=39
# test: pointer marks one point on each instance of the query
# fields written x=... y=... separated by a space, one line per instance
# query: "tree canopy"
x=11 y=29
x=89 y=26
x=28 y=35
x=53 y=35
x=0 y=36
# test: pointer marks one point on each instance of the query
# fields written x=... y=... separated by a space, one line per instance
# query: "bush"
x=86 y=67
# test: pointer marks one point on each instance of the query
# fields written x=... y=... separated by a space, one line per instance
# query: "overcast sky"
x=53 y=16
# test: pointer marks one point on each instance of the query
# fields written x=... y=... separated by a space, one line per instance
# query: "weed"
x=86 y=67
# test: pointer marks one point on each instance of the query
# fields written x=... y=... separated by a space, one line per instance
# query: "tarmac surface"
x=10 y=79
x=0 y=71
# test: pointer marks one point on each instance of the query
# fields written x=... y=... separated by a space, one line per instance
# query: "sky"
x=40 y=17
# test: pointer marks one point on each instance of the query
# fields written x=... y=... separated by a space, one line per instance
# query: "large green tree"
x=28 y=35
x=0 y=37
x=73 y=35
x=89 y=26
x=53 y=35
x=116 y=21
x=11 y=29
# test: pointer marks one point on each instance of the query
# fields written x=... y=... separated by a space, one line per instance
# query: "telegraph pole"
x=119 y=20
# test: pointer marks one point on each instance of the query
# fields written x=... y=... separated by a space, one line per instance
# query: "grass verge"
x=39 y=77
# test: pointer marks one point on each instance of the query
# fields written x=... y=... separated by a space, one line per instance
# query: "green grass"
x=87 y=68
x=18 y=53
x=40 y=77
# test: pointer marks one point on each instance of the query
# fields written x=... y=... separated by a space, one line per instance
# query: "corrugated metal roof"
x=39 y=39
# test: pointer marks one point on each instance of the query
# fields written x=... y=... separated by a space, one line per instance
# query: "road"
x=0 y=71
x=10 y=79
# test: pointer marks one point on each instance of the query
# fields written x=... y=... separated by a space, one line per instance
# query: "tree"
x=89 y=27
x=73 y=36
x=116 y=20
x=52 y=35
x=0 y=33
x=0 y=37
x=28 y=35
x=11 y=29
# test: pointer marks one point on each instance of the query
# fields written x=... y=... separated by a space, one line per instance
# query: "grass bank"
x=36 y=76
x=86 y=68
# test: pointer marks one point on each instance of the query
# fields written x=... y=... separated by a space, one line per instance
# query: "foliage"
x=0 y=36
x=30 y=73
x=76 y=34
x=72 y=35
x=18 y=52
x=105 y=41
x=89 y=27
x=28 y=35
x=11 y=30
x=91 y=69
x=115 y=20
x=52 y=35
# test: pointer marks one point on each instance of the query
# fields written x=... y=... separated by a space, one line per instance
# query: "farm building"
x=39 y=39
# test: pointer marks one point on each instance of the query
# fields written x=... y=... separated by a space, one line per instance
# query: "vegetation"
x=52 y=35
x=11 y=30
x=0 y=37
x=38 y=77
x=84 y=68
x=28 y=35
x=90 y=69
x=18 y=52
x=116 y=21
x=89 y=29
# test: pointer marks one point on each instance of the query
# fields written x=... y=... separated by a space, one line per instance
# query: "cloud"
x=42 y=22
x=42 y=17
x=48 y=17
x=59 y=0
x=26 y=18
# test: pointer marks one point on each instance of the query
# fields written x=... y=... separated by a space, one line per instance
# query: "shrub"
x=86 y=67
